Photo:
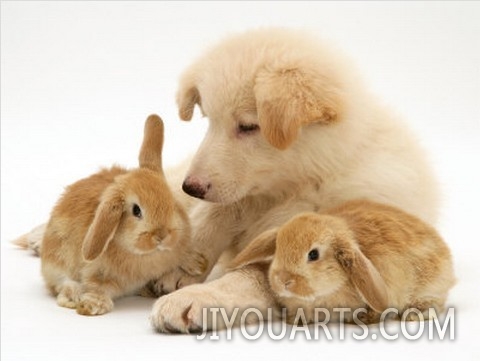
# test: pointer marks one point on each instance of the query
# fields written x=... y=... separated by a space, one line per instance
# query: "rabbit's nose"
x=285 y=279
x=288 y=284
x=160 y=234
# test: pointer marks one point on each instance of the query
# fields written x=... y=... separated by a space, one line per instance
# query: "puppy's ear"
x=261 y=249
x=288 y=98
x=363 y=275
x=187 y=95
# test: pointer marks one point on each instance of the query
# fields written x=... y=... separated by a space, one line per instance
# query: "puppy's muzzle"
x=195 y=188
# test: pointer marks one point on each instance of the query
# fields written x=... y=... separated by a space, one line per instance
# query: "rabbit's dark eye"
x=313 y=255
x=136 y=211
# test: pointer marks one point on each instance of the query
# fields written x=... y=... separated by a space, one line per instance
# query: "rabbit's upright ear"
x=363 y=274
x=261 y=249
x=104 y=225
x=151 y=152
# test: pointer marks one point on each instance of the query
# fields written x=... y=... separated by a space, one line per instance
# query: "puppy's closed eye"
x=247 y=128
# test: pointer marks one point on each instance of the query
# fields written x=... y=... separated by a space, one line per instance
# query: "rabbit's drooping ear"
x=104 y=225
x=290 y=97
x=364 y=276
x=261 y=249
x=151 y=152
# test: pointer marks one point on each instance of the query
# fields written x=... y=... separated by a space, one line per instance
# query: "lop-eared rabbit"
x=361 y=256
x=113 y=232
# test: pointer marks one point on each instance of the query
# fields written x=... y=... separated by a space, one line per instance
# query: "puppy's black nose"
x=195 y=188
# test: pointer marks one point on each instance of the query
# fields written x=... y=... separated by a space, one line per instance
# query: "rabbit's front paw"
x=92 y=304
x=69 y=295
x=175 y=280
x=64 y=301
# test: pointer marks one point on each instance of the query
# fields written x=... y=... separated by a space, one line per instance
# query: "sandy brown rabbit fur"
x=110 y=233
x=360 y=254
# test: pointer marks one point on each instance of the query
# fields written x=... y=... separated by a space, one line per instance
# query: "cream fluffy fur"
x=365 y=152
x=323 y=139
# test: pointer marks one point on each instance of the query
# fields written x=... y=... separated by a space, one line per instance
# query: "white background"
x=79 y=78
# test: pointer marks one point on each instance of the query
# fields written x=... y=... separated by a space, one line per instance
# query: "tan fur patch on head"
x=290 y=98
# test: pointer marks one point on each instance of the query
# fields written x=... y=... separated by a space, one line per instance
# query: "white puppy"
x=292 y=129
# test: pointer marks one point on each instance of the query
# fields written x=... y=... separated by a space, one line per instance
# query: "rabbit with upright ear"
x=358 y=255
x=111 y=233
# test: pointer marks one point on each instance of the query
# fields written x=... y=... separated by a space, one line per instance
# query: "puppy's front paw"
x=92 y=304
x=181 y=311
x=213 y=305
